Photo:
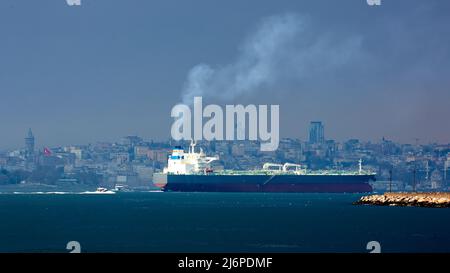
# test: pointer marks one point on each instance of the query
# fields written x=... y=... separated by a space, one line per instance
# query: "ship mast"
x=192 y=147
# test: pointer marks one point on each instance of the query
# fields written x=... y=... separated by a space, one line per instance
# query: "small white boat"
x=99 y=191
x=122 y=188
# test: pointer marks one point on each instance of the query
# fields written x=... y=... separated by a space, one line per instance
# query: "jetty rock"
x=423 y=199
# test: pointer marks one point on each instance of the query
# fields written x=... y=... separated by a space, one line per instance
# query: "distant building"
x=331 y=148
x=78 y=152
x=131 y=141
x=158 y=155
x=144 y=173
x=120 y=157
x=141 y=151
x=223 y=148
x=29 y=143
x=129 y=179
x=3 y=160
x=316 y=132
x=446 y=167
x=238 y=149
x=51 y=161
x=352 y=145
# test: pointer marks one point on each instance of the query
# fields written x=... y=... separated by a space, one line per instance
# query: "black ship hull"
x=265 y=183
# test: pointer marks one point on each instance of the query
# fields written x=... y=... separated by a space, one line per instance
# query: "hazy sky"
x=111 y=68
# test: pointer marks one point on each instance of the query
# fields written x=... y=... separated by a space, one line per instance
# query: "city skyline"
x=316 y=135
x=133 y=160
x=83 y=74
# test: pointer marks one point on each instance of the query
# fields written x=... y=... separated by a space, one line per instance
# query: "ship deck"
x=263 y=172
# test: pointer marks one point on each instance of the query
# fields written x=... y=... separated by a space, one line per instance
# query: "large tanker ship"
x=192 y=172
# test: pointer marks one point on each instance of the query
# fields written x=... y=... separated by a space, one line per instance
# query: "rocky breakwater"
x=431 y=200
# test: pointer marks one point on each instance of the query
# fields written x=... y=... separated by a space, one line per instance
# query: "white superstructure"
x=191 y=162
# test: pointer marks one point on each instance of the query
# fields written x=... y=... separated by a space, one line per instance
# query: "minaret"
x=29 y=143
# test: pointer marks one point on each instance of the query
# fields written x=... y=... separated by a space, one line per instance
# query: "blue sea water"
x=215 y=222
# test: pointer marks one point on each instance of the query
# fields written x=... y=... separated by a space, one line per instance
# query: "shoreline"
x=405 y=199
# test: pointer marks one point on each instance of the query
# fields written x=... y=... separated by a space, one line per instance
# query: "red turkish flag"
x=47 y=152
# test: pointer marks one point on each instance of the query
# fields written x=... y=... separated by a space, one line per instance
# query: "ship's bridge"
x=180 y=162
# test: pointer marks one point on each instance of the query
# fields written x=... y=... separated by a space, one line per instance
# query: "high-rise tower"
x=316 y=132
x=29 y=143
